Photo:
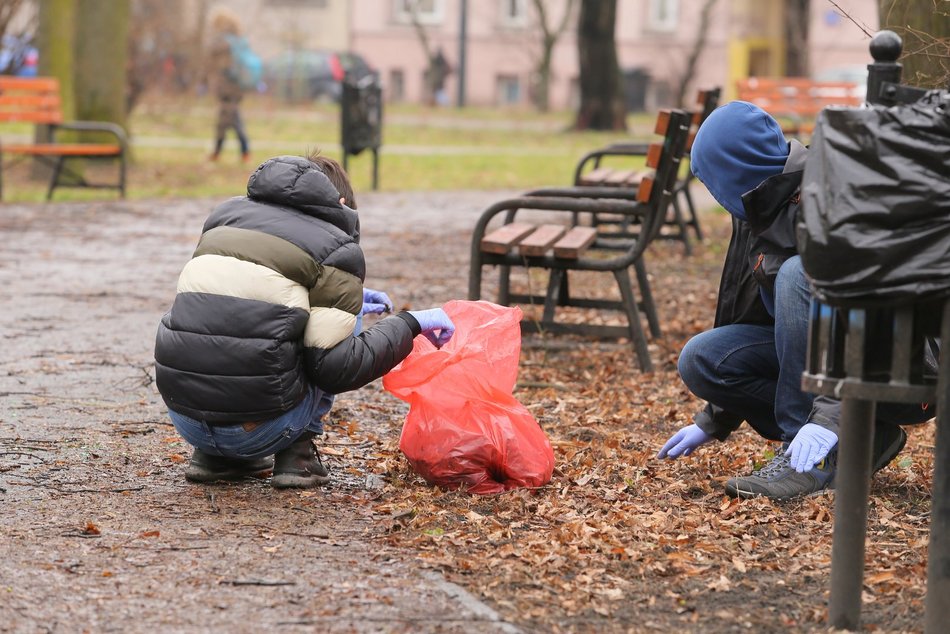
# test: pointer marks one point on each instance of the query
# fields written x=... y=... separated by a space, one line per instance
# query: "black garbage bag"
x=875 y=220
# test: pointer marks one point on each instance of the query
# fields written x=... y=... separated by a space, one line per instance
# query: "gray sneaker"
x=889 y=440
x=778 y=480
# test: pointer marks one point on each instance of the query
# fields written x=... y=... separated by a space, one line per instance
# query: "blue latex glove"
x=810 y=445
x=376 y=302
x=435 y=324
x=683 y=442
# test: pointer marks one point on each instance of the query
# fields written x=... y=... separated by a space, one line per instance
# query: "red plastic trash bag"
x=464 y=428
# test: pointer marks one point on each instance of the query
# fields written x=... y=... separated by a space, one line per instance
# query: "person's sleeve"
x=826 y=412
x=361 y=359
x=337 y=360
x=716 y=421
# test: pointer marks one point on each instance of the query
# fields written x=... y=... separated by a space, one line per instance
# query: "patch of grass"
x=423 y=149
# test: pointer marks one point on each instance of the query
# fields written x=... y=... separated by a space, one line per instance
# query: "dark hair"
x=337 y=176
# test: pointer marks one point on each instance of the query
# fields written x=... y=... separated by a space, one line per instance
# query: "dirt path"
x=100 y=530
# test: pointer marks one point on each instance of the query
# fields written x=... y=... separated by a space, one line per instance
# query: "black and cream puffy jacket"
x=268 y=304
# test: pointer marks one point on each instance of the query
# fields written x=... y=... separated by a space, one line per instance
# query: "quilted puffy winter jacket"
x=269 y=301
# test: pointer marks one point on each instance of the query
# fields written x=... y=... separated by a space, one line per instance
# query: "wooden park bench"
x=796 y=101
x=560 y=242
x=592 y=171
x=37 y=100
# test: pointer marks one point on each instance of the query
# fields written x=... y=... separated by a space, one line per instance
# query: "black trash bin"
x=636 y=82
x=361 y=118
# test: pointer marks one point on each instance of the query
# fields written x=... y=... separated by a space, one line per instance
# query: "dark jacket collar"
x=773 y=195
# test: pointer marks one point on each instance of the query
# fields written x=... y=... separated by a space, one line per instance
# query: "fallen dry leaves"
x=620 y=540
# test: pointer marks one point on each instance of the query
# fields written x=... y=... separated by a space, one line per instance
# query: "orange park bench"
x=796 y=101
x=37 y=100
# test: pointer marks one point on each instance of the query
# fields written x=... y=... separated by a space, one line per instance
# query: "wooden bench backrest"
x=30 y=99
x=664 y=157
x=706 y=102
x=796 y=96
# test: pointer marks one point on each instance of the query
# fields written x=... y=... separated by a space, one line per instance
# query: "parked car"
x=303 y=74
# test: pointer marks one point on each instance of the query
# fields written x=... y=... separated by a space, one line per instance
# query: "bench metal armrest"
x=616 y=149
x=95 y=126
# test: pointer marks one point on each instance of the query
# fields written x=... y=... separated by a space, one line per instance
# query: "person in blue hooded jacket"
x=749 y=366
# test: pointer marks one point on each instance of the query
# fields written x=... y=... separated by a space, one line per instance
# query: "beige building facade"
x=654 y=40
x=503 y=42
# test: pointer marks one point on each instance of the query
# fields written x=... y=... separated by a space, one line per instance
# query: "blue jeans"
x=262 y=439
x=756 y=371
x=266 y=438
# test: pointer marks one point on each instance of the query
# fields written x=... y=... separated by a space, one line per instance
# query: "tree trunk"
x=542 y=98
x=924 y=25
x=549 y=37
x=101 y=55
x=55 y=37
x=602 y=105
x=797 y=15
x=695 y=53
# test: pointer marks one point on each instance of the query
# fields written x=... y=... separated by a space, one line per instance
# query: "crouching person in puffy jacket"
x=265 y=326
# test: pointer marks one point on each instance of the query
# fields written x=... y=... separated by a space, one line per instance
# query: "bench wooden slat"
x=689 y=140
x=596 y=176
x=573 y=243
x=38 y=101
x=619 y=178
x=48 y=84
x=541 y=239
x=501 y=240
x=39 y=116
x=64 y=149
x=662 y=122
x=645 y=189
x=653 y=154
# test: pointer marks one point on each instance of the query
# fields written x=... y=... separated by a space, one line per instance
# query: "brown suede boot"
x=298 y=466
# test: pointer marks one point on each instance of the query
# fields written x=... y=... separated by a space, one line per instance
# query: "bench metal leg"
x=504 y=285
x=475 y=278
x=693 y=218
x=54 y=179
x=852 y=486
x=122 y=175
x=550 y=298
x=681 y=225
x=637 y=338
x=648 y=306
x=938 y=552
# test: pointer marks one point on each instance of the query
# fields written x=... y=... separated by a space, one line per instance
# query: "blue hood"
x=737 y=147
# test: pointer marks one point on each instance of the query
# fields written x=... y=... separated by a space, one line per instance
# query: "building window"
x=514 y=13
x=424 y=11
x=509 y=90
x=663 y=15
x=397 y=85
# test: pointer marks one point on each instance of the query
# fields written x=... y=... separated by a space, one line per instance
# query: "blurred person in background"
x=224 y=80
